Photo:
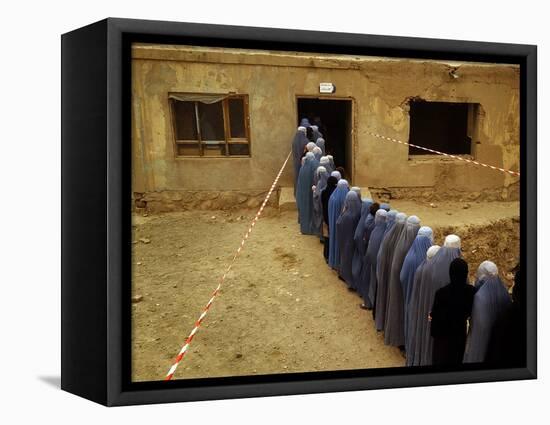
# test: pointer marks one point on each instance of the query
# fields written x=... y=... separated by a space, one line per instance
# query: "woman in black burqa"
x=332 y=181
x=451 y=308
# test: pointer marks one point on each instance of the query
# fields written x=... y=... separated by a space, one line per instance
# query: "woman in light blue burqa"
x=345 y=229
x=361 y=280
x=332 y=164
x=318 y=153
x=383 y=269
x=322 y=177
x=326 y=163
x=491 y=301
x=304 y=194
x=305 y=123
x=321 y=143
x=390 y=220
x=413 y=259
x=298 y=145
x=394 y=329
x=412 y=339
x=335 y=205
x=359 y=243
x=316 y=133
x=434 y=276
x=368 y=277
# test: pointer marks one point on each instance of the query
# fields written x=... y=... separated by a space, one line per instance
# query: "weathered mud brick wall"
x=174 y=200
x=380 y=90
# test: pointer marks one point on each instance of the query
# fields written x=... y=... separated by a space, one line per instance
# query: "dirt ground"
x=281 y=308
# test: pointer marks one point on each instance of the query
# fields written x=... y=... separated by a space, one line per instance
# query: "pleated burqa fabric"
x=390 y=219
x=320 y=185
x=298 y=145
x=394 y=329
x=304 y=195
x=318 y=153
x=317 y=134
x=413 y=259
x=335 y=205
x=345 y=229
x=362 y=280
x=491 y=301
x=321 y=143
x=331 y=161
x=368 y=279
x=413 y=341
x=324 y=161
x=415 y=256
x=359 y=243
x=383 y=269
x=435 y=275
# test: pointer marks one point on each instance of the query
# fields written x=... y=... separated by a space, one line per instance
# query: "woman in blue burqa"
x=332 y=181
x=298 y=146
x=326 y=163
x=304 y=195
x=316 y=175
x=320 y=185
x=383 y=269
x=390 y=219
x=491 y=301
x=305 y=123
x=413 y=259
x=412 y=340
x=332 y=164
x=316 y=133
x=394 y=330
x=385 y=206
x=335 y=205
x=434 y=276
x=318 y=153
x=368 y=280
x=321 y=143
x=345 y=229
x=359 y=243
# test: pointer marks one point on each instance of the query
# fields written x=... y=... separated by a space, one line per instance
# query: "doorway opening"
x=334 y=118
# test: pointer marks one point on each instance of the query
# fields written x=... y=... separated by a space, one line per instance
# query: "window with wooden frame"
x=210 y=125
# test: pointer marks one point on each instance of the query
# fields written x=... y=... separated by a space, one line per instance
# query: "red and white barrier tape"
x=471 y=161
x=187 y=342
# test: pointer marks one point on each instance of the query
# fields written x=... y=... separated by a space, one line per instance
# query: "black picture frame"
x=96 y=189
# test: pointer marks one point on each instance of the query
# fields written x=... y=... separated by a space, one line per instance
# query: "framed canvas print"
x=252 y=212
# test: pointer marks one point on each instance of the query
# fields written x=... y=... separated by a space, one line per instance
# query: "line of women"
x=418 y=292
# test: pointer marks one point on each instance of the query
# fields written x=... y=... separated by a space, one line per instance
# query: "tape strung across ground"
x=471 y=161
x=185 y=347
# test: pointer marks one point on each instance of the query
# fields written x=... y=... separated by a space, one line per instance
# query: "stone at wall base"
x=175 y=200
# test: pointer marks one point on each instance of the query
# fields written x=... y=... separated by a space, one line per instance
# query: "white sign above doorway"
x=327 y=88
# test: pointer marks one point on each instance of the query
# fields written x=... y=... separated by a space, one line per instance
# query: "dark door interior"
x=334 y=120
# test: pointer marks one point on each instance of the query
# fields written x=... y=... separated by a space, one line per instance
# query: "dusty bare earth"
x=281 y=309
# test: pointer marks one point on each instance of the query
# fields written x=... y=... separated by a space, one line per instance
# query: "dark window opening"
x=186 y=121
x=218 y=128
x=237 y=119
x=211 y=121
x=441 y=126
